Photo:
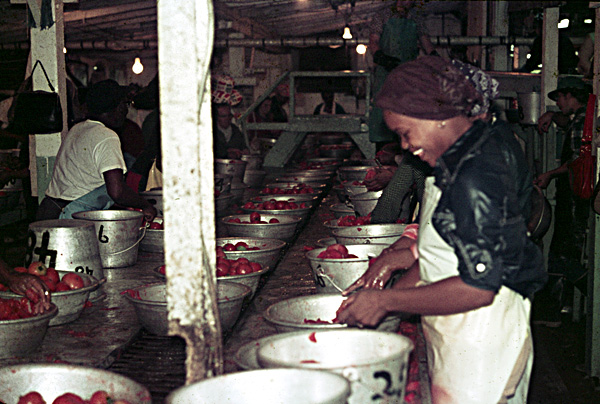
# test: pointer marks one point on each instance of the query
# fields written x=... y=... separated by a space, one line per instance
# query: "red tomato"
x=254 y=217
x=21 y=269
x=269 y=205
x=339 y=248
x=100 y=397
x=68 y=398
x=31 y=398
x=274 y=220
x=156 y=226
x=280 y=205
x=62 y=287
x=49 y=283
x=53 y=275
x=242 y=261
x=222 y=270
x=220 y=251
x=235 y=220
x=73 y=280
x=244 y=269
x=256 y=267
x=162 y=269
x=229 y=247
x=37 y=268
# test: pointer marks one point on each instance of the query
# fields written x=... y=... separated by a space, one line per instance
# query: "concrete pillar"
x=477 y=26
x=47 y=46
x=499 y=27
x=185 y=29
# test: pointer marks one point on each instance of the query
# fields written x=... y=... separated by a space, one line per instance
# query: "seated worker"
x=26 y=285
x=89 y=169
x=229 y=142
x=326 y=107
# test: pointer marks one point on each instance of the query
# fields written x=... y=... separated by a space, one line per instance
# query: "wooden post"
x=185 y=29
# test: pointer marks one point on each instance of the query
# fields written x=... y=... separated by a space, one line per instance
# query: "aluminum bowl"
x=340 y=193
x=353 y=173
x=352 y=190
x=154 y=240
x=365 y=203
x=318 y=186
x=222 y=183
x=322 y=179
x=267 y=256
x=369 y=233
x=245 y=356
x=222 y=203
x=289 y=386
x=54 y=380
x=314 y=172
x=292 y=314
x=70 y=303
x=332 y=224
x=361 y=356
x=338 y=153
x=233 y=167
x=21 y=337
x=324 y=162
x=316 y=194
x=303 y=213
x=251 y=280
x=151 y=307
x=341 y=272
x=309 y=200
x=327 y=241
x=284 y=230
x=341 y=209
x=254 y=178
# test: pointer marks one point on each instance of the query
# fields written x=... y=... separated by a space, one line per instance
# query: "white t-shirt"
x=88 y=150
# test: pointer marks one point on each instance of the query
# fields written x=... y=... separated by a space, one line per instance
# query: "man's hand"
x=545 y=121
x=33 y=288
x=543 y=180
x=364 y=308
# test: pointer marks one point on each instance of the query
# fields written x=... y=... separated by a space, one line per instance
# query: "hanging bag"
x=35 y=112
x=581 y=170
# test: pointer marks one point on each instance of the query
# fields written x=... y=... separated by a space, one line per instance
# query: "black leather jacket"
x=482 y=213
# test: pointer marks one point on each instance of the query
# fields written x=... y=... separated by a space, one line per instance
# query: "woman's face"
x=424 y=138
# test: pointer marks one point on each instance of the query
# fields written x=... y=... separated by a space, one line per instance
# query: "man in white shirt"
x=89 y=168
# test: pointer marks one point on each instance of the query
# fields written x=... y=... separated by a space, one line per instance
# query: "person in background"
x=476 y=270
x=570 y=213
x=26 y=285
x=396 y=36
x=260 y=115
x=229 y=142
x=327 y=106
x=279 y=99
x=89 y=169
x=132 y=141
x=586 y=56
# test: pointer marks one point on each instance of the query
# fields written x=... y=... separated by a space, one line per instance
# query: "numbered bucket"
x=65 y=245
x=118 y=232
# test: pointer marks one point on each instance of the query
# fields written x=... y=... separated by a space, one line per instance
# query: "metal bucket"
x=222 y=183
x=290 y=386
x=254 y=178
x=529 y=108
x=235 y=168
x=156 y=199
x=65 y=245
x=118 y=233
x=368 y=233
x=343 y=272
x=374 y=362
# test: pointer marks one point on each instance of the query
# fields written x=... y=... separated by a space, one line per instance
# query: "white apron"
x=471 y=355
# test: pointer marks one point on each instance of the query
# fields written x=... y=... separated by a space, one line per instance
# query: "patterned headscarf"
x=222 y=91
x=483 y=83
x=433 y=88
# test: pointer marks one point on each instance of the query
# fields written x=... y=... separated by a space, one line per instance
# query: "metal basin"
x=303 y=178
x=352 y=190
x=233 y=167
x=318 y=186
x=327 y=241
x=323 y=162
x=251 y=280
x=151 y=307
x=284 y=230
x=54 y=380
x=222 y=183
x=365 y=203
x=267 y=256
x=342 y=272
x=254 y=178
x=303 y=213
x=289 y=386
x=341 y=210
x=21 y=337
x=290 y=315
x=245 y=356
x=369 y=233
x=154 y=240
x=353 y=173
x=309 y=200
x=361 y=356
x=222 y=203
x=315 y=172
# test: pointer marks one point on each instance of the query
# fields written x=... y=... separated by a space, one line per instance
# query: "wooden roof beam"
x=246 y=26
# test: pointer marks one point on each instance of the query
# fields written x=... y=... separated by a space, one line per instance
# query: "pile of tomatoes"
x=275 y=205
x=296 y=189
x=14 y=309
x=240 y=266
x=51 y=277
x=99 y=397
x=239 y=246
x=351 y=220
x=255 y=218
x=336 y=251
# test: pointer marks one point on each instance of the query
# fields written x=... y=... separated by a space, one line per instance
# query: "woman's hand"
x=382 y=177
x=31 y=287
x=364 y=308
x=381 y=269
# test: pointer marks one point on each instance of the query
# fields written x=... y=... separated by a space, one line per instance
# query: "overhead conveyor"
x=297 y=127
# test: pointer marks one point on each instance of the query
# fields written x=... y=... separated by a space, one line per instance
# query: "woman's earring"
x=441 y=124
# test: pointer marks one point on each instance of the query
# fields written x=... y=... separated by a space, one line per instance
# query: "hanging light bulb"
x=137 y=67
x=347 y=33
x=361 y=49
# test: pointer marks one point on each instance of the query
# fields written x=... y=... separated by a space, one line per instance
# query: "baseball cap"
x=105 y=96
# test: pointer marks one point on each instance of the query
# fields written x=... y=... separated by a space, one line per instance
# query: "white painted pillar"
x=499 y=27
x=185 y=29
x=47 y=46
x=237 y=58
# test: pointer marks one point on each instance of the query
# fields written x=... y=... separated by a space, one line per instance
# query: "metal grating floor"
x=155 y=362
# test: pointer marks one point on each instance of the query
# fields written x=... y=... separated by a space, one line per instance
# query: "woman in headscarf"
x=477 y=270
